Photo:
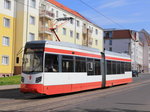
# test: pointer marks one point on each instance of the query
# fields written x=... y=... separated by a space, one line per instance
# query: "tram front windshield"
x=33 y=60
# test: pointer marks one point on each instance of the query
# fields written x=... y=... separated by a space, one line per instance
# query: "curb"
x=5 y=87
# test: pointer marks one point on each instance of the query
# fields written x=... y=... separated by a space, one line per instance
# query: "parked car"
x=135 y=73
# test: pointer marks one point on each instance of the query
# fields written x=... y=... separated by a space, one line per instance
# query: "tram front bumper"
x=31 y=88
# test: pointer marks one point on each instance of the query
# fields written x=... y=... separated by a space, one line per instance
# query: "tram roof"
x=65 y=44
x=71 y=45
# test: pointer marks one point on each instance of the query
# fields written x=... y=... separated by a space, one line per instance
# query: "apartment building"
x=19 y=20
x=125 y=41
x=145 y=37
x=7 y=37
x=27 y=22
x=78 y=30
x=35 y=19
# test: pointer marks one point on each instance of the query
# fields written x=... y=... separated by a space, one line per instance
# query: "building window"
x=110 y=42
x=57 y=13
x=108 y=34
x=71 y=21
x=33 y=3
x=71 y=33
x=31 y=36
x=52 y=10
x=78 y=23
x=77 y=35
x=64 y=15
x=96 y=42
x=64 y=31
x=7 y=4
x=6 y=22
x=96 y=31
x=6 y=41
x=110 y=49
x=5 y=60
x=17 y=60
x=32 y=20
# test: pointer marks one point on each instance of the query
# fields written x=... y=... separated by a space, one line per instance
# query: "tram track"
x=50 y=103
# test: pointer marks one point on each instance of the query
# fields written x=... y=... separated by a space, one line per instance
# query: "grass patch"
x=10 y=80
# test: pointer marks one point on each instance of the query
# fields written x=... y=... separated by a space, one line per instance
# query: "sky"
x=119 y=14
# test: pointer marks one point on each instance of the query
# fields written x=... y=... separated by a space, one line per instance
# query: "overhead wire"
x=97 y=11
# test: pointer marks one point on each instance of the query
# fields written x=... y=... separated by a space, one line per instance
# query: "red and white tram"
x=59 y=67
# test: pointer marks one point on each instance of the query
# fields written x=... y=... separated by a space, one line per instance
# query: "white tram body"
x=59 y=67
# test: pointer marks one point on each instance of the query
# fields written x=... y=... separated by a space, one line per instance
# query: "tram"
x=58 y=67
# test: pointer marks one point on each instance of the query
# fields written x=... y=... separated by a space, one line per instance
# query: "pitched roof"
x=54 y=2
x=146 y=35
x=121 y=34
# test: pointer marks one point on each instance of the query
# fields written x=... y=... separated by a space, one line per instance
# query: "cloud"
x=113 y=4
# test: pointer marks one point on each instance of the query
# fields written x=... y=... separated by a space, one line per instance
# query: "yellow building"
x=7 y=37
x=19 y=20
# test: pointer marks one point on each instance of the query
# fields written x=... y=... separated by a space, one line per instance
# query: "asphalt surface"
x=134 y=97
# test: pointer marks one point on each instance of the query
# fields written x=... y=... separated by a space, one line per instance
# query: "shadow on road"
x=103 y=110
x=15 y=94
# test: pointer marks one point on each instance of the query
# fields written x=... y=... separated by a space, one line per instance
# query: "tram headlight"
x=22 y=79
x=38 y=79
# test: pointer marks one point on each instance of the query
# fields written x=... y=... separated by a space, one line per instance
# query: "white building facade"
x=145 y=37
x=128 y=42
x=79 y=30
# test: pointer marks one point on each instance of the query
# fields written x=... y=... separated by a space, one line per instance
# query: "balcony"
x=44 y=29
x=84 y=29
x=84 y=42
x=47 y=14
x=90 y=41
x=87 y=41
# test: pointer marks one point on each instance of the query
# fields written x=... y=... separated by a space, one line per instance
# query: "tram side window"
x=129 y=66
x=122 y=67
x=67 y=64
x=97 y=67
x=80 y=64
x=118 y=68
x=109 y=67
x=114 y=67
x=51 y=63
x=125 y=66
x=90 y=66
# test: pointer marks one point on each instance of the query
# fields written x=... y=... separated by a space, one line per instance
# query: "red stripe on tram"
x=53 y=50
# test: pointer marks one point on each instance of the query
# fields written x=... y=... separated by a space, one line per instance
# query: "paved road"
x=134 y=97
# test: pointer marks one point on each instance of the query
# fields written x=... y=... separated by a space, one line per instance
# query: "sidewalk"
x=5 y=87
